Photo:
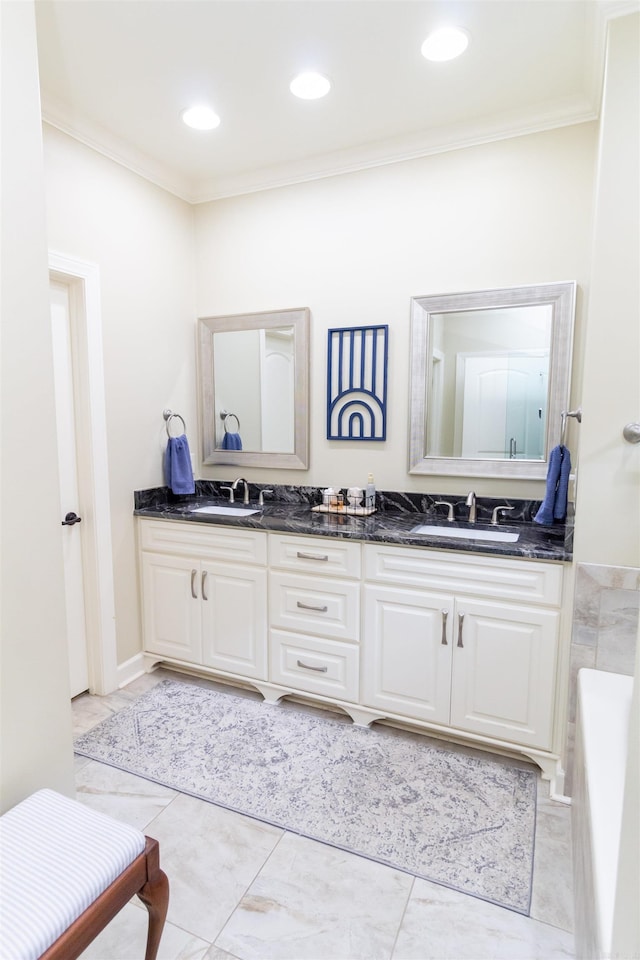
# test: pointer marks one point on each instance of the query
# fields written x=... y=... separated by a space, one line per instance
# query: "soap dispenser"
x=370 y=493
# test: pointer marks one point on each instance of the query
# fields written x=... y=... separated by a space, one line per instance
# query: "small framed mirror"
x=254 y=389
x=490 y=378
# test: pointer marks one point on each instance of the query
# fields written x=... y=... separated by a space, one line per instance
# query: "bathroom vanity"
x=458 y=638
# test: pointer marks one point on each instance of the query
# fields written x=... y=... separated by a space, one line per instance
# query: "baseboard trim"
x=130 y=670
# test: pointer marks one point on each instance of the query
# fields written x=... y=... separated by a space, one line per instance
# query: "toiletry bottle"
x=370 y=492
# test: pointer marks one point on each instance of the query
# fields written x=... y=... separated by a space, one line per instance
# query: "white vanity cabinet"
x=314 y=613
x=469 y=642
x=461 y=644
x=205 y=596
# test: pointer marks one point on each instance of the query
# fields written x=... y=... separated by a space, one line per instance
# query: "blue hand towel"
x=177 y=466
x=231 y=441
x=562 y=489
x=554 y=505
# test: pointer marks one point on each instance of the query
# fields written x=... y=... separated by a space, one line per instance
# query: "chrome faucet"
x=234 y=487
x=471 y=503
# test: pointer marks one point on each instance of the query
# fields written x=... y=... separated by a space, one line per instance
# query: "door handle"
x=70 y=519
x=193 y=581
x=202 y=585
x=460 y=620
x=445 y=614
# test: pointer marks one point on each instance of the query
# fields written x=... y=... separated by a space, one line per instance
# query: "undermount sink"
x=466 y=533
x=224 y=511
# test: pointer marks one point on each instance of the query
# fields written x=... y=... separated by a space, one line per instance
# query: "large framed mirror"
x=490 y=379
x=254 y=389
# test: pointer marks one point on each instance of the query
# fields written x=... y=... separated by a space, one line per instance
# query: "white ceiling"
x=116 y=74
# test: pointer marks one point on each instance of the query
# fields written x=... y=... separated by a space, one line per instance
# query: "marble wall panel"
x=604 y=633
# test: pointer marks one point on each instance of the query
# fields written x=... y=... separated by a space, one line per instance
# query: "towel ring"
x=169 y=415
x=224 y=416
x=577 y=414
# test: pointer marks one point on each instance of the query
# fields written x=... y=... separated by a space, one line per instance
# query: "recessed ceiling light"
x=445 y=44
x=200 y=118
x=309 y=86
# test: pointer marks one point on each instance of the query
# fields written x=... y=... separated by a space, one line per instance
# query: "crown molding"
x=382 y=153
x=92 y=135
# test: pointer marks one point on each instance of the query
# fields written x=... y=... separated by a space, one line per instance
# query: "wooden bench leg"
x=155 y=896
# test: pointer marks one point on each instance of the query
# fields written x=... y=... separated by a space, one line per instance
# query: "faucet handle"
x=497 y=511
x=230 y=489
x=449 y=506
x=261 y=497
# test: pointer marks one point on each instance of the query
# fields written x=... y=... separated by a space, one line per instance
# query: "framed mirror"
x=254 y=389
x=490 y=378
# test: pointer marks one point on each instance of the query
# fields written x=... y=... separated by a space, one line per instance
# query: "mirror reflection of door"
x=278 y=386
x=503 y=413
x=254 y=375
x=488 y=383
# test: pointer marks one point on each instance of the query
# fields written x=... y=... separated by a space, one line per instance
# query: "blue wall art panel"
x=357 y=383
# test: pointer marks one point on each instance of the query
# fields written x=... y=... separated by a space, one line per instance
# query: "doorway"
x=80 y=411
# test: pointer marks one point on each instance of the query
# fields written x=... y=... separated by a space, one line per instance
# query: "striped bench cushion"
x=56 y=857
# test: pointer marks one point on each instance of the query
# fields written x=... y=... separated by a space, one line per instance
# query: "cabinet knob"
x=193 y=583
x=203 y=581
x=460 y=622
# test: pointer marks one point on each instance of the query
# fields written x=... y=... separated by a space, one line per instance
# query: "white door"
x=504 y=406
x=69 y=497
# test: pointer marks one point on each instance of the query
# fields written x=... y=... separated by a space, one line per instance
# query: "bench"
x=65 y=872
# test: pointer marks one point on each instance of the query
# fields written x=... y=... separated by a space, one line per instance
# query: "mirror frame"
x=299 y=319
x=561 y=297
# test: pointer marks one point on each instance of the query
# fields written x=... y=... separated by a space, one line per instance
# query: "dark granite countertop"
x=396 y=517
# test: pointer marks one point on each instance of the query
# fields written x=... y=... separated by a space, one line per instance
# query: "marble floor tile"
x=215 y=953
x=441 y=924
x=552 y=899
x=88 y=710
x=121 y=795
x=313 y=901
x=125 y=938
x=211 y=856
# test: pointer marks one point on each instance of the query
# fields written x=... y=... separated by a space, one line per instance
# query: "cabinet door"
x=171 y=601
x=504 y=659
x=234 y=619
x=406 y=652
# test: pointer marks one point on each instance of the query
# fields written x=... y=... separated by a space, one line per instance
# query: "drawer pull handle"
x=460 y=619
x=193 y=580
x=204 y=580
x=445 y=614
x=310 y=606
x=311 y=556
x=307 y=666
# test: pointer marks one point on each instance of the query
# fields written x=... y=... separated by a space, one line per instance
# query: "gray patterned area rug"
x=460 y=820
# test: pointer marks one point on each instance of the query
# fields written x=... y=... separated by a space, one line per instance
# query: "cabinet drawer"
x=527 y=580
x=326 y=667
x=204 y=541
x=315 y=555
x=327 y=608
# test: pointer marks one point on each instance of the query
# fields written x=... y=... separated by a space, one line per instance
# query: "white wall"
x=608 y=496
x=608 y=501
x=35 y=719
x=142 y=240
x=355 y=249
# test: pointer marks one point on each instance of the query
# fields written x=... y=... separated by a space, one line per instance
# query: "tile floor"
x=244 y=890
